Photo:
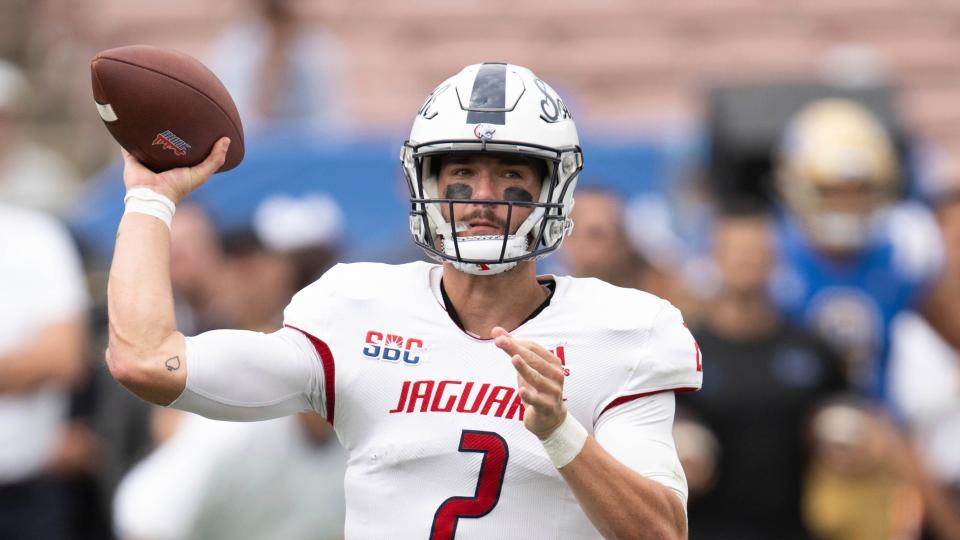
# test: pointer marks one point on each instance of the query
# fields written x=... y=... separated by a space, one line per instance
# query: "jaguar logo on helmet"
x=484 y=132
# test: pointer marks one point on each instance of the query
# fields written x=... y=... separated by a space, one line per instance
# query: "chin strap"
x=483 y=269
x=484 y=248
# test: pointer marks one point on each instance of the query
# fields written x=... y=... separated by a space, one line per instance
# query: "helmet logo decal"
x=551 y=106
x=484 y=132
x=426 y=109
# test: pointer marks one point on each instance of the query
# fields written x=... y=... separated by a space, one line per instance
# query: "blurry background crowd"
x=784 y=172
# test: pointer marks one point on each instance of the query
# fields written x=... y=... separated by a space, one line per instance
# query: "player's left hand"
x=539 y=381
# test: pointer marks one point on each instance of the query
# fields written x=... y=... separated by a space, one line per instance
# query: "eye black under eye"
x=517 y=194
x=459 y=191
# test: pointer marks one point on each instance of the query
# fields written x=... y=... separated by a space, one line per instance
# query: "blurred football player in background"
x=850 y=260
x=853 y=258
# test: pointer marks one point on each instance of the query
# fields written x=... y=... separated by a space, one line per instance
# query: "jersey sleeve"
x=668 y=359
x=247 y=376
x=639 y=434
x=312 y=312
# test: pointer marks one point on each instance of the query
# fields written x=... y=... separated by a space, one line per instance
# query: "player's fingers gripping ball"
x=175 y=184
x=165 y=107
x=173 y=119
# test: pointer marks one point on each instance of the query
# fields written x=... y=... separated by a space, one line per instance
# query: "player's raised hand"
x=539 y=381
x=175 y=184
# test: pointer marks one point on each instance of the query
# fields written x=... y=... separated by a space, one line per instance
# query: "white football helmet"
x=501 y=109
x=836 y=144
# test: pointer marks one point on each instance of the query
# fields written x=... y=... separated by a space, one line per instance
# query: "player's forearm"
x=145 y=350
x=621 y=503
x=54 y=355
x=139 y=295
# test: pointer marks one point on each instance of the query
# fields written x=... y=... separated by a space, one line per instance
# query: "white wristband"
x=141 y=200
x=566 y=442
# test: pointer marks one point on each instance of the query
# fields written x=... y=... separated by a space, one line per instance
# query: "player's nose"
x=483 y=187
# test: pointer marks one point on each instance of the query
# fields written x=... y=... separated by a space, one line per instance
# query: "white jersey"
x=431 y=417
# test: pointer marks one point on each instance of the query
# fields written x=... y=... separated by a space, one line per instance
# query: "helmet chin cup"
x=463 y=249
x=484 y=269
x=840 y=231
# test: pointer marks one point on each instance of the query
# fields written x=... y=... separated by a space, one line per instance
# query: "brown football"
x=164 y=106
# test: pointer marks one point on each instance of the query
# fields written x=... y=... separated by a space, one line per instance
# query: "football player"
x=476 y=399
x=851 y=259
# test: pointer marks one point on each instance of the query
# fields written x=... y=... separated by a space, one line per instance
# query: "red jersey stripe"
x=628 y=398
x=329 y=370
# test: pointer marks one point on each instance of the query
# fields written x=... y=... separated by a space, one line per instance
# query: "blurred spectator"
x=601 y=246
x=292 y=241
x=763 y=378
x=30 y=174
x=214 y=480
x=850 y=260
x=861 y=482
x=196 y=269
x=43 y=337
x=279 y=72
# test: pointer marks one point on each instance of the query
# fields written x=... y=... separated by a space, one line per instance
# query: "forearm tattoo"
x=172 y=363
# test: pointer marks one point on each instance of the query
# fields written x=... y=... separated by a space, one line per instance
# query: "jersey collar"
x=549 y=284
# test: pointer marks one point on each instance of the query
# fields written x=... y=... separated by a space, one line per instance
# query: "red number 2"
x=492 y=470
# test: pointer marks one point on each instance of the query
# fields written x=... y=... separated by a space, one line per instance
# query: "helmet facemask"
x=540 y=233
